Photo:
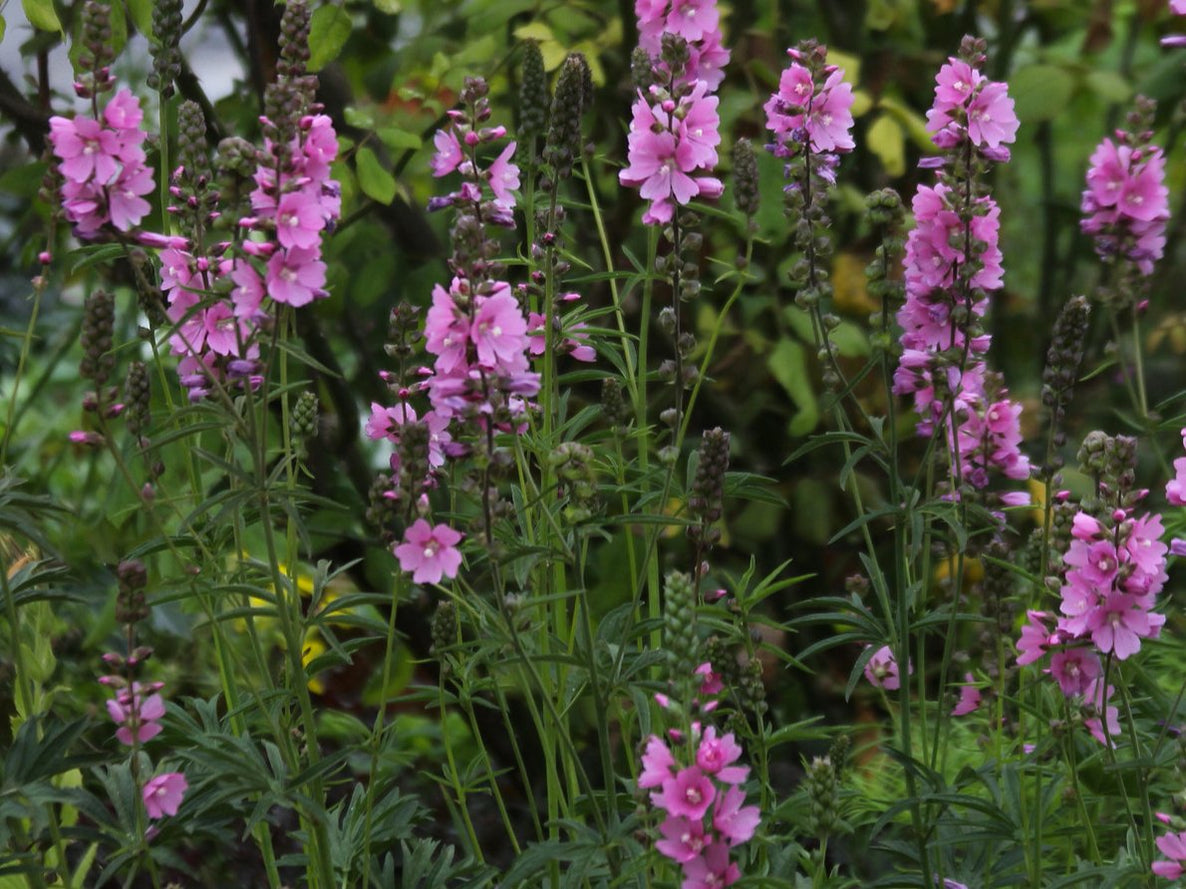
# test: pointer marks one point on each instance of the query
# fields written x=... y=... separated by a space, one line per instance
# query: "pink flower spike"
x=162 y=794
x=657 y=763
x=429 y=553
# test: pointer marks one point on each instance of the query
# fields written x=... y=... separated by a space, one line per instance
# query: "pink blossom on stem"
x=162 y=794
x=429 y=553
x=1172 y=845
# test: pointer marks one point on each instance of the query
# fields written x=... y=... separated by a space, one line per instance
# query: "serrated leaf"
x=41 y=14
x=141 y=13
x=376 y=183
x=329 y=29
x=886 y=140
x=1040 y=92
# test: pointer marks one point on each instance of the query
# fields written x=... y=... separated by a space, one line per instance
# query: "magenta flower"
x=448 y=152
x=1035 y=638
x=1175 y=488
x=295 y=277
x=1075 y=669
x=714 y=755
x=683 y=839
x=429 y=552
x=162 y=794
x=735 y=823
x=87 y=150
x=504 y=177
x=882 y=669
x=1172 y=845
x=499 y=331
x=299 y=220
x=688 y=793
x=657 y=763
x=991 y=120
x=969 y=697
x=712 y=870
x=136 y=714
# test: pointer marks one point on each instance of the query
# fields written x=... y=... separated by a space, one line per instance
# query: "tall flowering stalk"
x=953 y=263
x=810 y=118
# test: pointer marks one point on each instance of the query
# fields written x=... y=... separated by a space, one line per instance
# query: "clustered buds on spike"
x=165 y=46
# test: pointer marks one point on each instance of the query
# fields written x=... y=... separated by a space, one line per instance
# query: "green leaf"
x=391 y=7
x=141 y=13
x=1040 y=92
x=359 y=117
x=398 y=140
x=376 y=183
x=329 y=30
x=3 y=27
x=788 y=364
x=1109 y=85
x=886 y=140
x=41 y=14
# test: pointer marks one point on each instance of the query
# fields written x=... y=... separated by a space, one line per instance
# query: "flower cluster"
x=1114 y=569
x=136 y=707
x=952 y=262
x=697 y=22
x=477 y=332
x=970 y=108
x=1126 y=203
x=102 y=163
x=811 y=111
x=215 y=295
x=675 y=128
x=696 y=783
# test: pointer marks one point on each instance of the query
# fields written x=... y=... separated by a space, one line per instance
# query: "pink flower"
x=136 y=714
x=969 y=697
x=683 y=839
x=714 y=756
x=448 y=155
x=299 y=220
x=1075 y=669
x=688 y=793
x=499 y=331
x=735 y=823
x=712 y=870
x=991 y=120
x=162 y=794
x=295 y=277
x=1035 y=638
x=1172 y=845
x=657 y=763
x=882 y=669
x=429 y=552
x=504 y=177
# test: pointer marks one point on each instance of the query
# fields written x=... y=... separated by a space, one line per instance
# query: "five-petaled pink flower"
x=430 y=553
x=162 y=794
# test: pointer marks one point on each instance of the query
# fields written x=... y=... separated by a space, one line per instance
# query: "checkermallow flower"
x=429 y=553
x=162 y=794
